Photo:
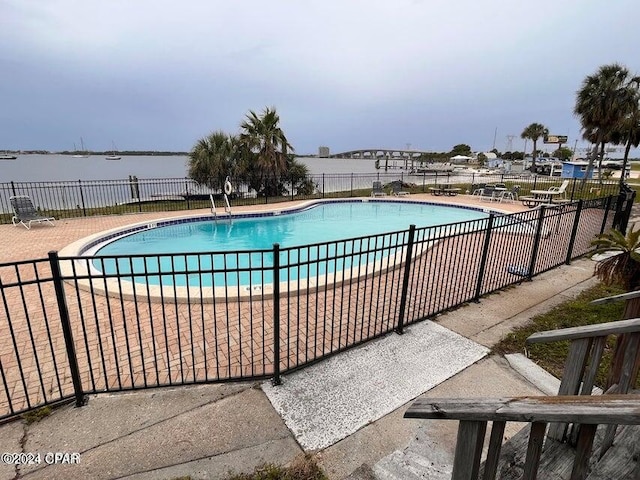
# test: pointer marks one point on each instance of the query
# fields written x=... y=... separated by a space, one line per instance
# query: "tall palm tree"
x=533 y=132
x=628 y=131
x=213 y=158
x=263 y=136
x=602 y=103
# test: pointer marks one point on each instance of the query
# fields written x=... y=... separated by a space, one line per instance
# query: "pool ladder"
x=227 y=207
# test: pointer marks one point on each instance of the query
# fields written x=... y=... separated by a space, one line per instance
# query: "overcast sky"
x=158 y=74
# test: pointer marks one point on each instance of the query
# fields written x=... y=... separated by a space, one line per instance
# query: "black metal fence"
x=70 y=329
x=86 y=198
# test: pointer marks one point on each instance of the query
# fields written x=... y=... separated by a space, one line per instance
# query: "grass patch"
x=573 y=313
x=302 y=468
x=36 y=415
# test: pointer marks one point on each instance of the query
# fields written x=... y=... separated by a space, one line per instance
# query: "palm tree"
x=533 y=132
x=602 y=103
x=213 y=158
x=623 y=269
x=263 y=136
x=628 y=131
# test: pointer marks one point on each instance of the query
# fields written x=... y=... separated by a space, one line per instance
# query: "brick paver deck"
x=125 y=344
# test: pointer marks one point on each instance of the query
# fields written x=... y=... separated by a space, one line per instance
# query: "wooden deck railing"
x=585 y=354
x=474 y=413
x=574 y=405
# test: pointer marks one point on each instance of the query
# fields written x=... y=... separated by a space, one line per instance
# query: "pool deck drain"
x=329 y=401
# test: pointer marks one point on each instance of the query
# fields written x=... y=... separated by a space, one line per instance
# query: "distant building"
x=499 y=163
x=323 y=152
x=575 y=170
x=458 y=159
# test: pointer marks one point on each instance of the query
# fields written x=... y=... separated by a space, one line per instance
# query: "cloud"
x=160 y=74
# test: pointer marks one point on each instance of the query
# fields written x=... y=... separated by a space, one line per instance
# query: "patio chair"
x=561 y=189
x=396 y=189
x=490 y=194
x=476 y=189
x=377 y=190
x=25 y=213
x=511 y=195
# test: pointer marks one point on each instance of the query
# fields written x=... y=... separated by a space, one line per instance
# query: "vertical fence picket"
x=276 y=314
x=485 y=255
x=536 y=243
x=66 y=327
x=574 y=232
x=408 y=261
x=606 y=214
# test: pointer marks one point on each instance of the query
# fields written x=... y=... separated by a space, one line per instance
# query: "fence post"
x=186 y=194
x=483 y=260
x=276 y=315
x=351 y=193
x=424 y=179
x=573 y=188
x=624 y=221
x=291 y=181
x=66 y=327
x=405 y=279
x=84 y=210
x=323 y=185
x=536 y=243
x=574 y=232
x=606 y=214
x=13 y=188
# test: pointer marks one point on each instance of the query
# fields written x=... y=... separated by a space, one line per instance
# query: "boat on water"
x=82 y=153
x=7 y=156
x=113 y=155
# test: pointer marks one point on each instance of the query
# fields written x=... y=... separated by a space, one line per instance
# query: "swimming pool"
x=178 y=253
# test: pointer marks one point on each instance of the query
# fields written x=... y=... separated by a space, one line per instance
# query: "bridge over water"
x=380 y=153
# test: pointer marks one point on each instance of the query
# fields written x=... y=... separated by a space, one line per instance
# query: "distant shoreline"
x=120 y=152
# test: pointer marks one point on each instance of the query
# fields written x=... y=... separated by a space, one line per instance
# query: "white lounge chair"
x=561 y=189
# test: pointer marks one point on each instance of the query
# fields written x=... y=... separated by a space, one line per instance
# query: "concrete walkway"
x=208 y=431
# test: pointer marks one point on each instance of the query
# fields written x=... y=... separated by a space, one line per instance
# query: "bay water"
x=96 y=182
x=53 y=168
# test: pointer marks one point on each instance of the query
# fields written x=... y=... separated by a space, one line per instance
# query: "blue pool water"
x=320 y=223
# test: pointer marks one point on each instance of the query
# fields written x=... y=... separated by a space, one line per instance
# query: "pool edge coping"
x=71 y=266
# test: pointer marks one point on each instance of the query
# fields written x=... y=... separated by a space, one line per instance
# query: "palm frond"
x=623 y=268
